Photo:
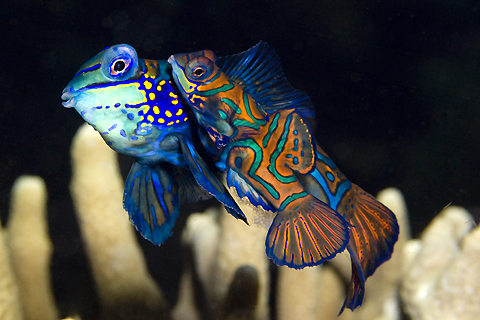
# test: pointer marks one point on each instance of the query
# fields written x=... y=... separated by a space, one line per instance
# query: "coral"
x=443 y=266
x=10 y=304
x=226 y=272
x=125 y=287
x=31 y=248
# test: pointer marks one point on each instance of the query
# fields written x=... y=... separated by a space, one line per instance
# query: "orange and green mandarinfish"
x=257 y=121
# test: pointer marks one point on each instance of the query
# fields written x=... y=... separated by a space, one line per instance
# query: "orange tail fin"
x=374 y=232
x=306 y=232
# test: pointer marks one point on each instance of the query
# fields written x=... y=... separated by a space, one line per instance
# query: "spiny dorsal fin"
x=259 y=72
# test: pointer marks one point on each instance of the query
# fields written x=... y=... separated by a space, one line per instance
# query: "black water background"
x=395 y=85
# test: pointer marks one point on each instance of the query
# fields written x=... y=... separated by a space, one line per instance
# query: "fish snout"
x=178 y=60
x=67 y=95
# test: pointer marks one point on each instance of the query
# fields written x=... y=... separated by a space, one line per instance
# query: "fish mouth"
x=171 y=59
x=68 y=97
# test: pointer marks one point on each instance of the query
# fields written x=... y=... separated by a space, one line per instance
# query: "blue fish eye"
x=119 y=62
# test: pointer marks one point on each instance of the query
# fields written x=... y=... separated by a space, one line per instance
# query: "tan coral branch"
x=125 y=287
x=31 y=248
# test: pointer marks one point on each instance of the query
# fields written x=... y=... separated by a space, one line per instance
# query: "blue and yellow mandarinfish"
x=132 y=104
x=271 y=158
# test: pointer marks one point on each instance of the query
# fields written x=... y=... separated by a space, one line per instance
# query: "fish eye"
x=199 y=69
x=119 y=66
x=119 y=62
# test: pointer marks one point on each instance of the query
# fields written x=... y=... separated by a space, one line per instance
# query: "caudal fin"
x=305 y=233
x=373 y=235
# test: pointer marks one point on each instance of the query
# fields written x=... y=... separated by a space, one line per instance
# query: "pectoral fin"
x=306 y=233
x=151 y=200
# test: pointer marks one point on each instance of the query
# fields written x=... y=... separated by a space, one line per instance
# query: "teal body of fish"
x=132 y=104
x=257 y=120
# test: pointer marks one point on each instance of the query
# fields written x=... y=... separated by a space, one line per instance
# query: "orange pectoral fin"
x=305 y=233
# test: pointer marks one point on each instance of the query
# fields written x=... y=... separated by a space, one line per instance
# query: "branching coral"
x=126 y=288
x=10 y=305
x=441 y=281
x=31 y=248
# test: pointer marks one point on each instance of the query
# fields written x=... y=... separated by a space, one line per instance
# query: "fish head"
x=101 y=85
x=201 y=82
x=194 y=73
x=129 y=101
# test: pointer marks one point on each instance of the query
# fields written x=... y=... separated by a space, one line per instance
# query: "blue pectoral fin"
x=246 y=190
x=151 y=200
x=209 y=181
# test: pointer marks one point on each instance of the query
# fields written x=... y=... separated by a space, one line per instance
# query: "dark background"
x=395 y=85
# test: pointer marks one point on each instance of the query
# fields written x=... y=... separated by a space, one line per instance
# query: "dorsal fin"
x=259 y=72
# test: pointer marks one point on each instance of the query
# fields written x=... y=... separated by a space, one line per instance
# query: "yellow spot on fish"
x=161 y=120
x=174 y=102
x=178 y=121
x=151 y=95
x=143 y=124
x=156 y=110
x=159 y=87
x=185 y=119
x=148 y=85
x=168 y=114
x=179 y=112
x=173 y=95
x=150 y=118
x=170 y=123
x=162 y=82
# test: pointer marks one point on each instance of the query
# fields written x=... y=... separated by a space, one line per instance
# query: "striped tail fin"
x=306 y=232
x=373 y=235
